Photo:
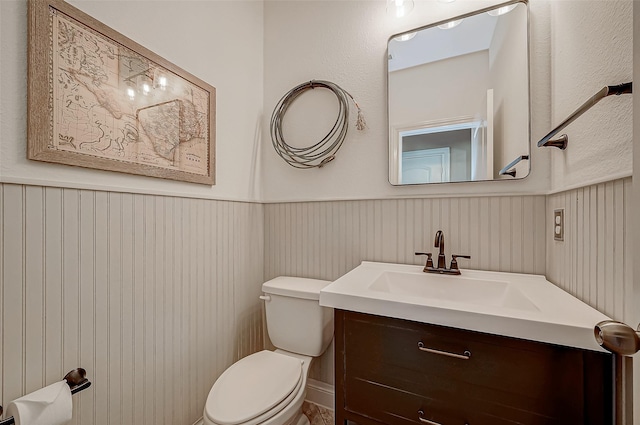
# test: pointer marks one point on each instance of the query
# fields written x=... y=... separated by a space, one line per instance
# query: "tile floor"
x=318 y=415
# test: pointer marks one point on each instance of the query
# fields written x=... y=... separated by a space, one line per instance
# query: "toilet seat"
x=254 y=389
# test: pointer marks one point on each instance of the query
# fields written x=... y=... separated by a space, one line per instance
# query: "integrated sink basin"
x=511 y=304
x=460 y=289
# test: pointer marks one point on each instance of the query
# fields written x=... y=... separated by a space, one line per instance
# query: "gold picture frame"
x=97 y=99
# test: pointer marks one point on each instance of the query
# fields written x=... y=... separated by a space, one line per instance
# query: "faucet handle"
x=454 y=262
x=429 y=259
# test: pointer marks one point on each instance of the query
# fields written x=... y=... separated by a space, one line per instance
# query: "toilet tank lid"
x=298 y=287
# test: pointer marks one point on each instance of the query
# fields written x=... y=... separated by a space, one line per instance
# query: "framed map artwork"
x=97 y=99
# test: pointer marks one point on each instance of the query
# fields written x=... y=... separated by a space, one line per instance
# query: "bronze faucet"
x=442 y=260
x=439 y=243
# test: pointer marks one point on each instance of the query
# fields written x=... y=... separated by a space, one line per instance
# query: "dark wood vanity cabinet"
x=397 y=372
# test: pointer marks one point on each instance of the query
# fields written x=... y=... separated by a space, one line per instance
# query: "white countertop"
x=551 y=316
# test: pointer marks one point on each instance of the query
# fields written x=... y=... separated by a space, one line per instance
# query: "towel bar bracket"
x=509 y=170
x=560 y=143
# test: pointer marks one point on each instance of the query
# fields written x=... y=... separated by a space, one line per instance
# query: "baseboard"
x=321 y=393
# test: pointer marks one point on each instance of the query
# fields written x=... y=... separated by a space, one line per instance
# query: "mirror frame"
x=392 y=153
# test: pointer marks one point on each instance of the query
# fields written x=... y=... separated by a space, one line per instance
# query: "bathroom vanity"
x=482 y=348
x=393 y=371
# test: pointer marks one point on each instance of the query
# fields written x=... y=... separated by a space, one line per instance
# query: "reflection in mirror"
x=459 y=98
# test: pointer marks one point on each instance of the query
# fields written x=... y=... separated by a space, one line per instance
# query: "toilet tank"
x=295 y=320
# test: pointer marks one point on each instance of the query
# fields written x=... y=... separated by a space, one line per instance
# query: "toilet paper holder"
x=77 y=381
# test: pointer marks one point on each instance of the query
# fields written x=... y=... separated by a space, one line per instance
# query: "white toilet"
x=268 y=387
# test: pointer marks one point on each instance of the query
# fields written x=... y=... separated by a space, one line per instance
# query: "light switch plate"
x=558 y=224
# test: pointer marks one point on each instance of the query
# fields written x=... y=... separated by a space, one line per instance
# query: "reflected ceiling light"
x=405 y=37
x=502 y=10
x=160 y=79
x=399 y=8
x=450 y=24
x=143 y=83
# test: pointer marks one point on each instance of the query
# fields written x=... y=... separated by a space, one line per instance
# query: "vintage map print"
x=112 y=105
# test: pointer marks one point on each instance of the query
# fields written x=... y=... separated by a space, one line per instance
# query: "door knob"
x=617 y=337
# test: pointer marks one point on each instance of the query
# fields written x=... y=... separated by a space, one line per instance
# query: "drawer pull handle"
x=426 y=421
x=464 y=356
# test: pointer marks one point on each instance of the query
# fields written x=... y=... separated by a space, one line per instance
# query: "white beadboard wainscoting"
x=324 y=240
x=594 y=261
x=154 y=296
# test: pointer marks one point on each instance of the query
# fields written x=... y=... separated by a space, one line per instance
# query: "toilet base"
x=302 y=420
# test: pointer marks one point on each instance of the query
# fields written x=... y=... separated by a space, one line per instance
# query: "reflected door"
x=426 y=166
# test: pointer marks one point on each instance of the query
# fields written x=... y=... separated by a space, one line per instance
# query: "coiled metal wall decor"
x=324 y=151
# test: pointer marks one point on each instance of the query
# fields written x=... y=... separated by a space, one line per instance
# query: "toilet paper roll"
x=50 y=405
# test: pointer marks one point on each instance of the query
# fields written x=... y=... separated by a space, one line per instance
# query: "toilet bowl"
x=265 y=388
x=269 y=387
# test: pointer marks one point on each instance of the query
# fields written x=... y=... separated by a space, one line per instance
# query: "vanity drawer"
x=388 y=350
x=392 y=406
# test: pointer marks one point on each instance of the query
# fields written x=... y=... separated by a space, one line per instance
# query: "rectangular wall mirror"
x=458 y=94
